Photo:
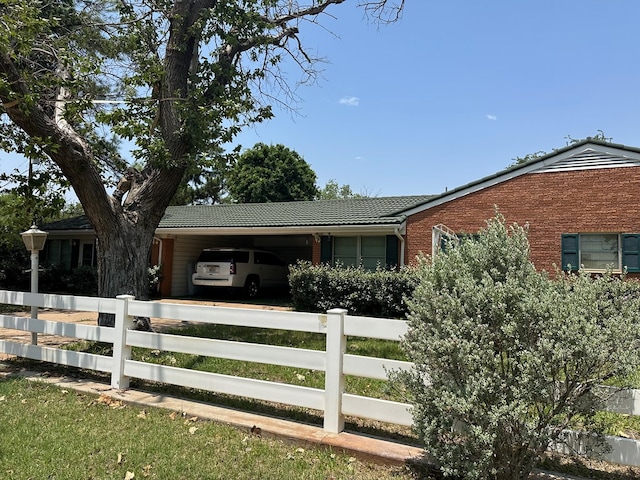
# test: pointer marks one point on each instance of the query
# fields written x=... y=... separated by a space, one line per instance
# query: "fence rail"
x=335 y=324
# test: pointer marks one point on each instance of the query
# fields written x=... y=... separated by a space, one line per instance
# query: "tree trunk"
x=123 y=263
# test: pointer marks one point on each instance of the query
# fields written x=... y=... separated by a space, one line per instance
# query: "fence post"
x=121 y=351
x=334 y=379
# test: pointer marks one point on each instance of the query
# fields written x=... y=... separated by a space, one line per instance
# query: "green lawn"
x=48 y=432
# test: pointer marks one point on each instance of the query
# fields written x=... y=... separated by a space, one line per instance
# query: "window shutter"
x=391 y=258
x=570 y=251
x=326 y=250
x=631 y=252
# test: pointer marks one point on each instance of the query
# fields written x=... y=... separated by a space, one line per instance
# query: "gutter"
x=401 y=238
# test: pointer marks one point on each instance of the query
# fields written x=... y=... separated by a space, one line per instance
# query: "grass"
x=48 y=432
x=294 y=376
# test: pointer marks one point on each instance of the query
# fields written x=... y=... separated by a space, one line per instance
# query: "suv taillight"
x=232 y=267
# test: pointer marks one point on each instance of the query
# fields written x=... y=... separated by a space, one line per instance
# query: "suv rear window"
x=223 y=256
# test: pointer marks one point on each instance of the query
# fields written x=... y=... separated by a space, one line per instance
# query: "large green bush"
x=507 y=358
x=379 y=293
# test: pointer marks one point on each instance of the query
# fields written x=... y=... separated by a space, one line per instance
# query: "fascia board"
x=302 y=230
x=71 y=233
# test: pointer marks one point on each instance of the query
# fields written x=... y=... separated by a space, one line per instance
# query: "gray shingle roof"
x=353 y=211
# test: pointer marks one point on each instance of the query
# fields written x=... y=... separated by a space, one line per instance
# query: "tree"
x=204 y=183
x=333 y=190
x=271 y=173
x=174 y=78
x=507 y=358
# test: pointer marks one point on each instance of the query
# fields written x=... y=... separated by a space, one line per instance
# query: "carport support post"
x=334 y=378
x=121 y=351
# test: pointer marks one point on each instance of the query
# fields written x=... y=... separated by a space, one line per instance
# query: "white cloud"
x=350 y=101
x=492 y=117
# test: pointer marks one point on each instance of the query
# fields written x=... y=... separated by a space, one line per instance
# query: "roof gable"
x=584 y=155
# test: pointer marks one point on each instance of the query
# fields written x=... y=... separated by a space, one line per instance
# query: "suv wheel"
x=252 y=287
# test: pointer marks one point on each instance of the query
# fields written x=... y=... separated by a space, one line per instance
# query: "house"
x=580 y=204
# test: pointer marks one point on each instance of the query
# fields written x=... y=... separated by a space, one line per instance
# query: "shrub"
x=14 y=261
x=506 y=358
x=379 y=293
x=82 y=280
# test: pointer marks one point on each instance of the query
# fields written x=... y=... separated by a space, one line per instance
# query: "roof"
x=359 y=213
x=584 y=155
x=326 y=213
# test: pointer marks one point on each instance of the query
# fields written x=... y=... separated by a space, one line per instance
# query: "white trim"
x=334 y=230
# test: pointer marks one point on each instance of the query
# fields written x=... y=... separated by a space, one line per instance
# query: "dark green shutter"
x=326 y=250
x=570 y=251
x=631 y=252
x=391 y=257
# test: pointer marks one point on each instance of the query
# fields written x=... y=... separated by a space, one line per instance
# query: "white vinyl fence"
x=334 y=361
x=335 y=324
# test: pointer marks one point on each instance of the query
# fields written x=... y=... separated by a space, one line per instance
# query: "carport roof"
x=353 y=211
x=342 y=212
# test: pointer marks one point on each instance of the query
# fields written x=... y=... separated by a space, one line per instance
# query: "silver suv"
x=245 y=268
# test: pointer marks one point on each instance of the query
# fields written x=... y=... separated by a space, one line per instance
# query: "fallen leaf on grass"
x=193 y=430
x=142 y=414
x=3 y=398
x=111 y=402
x=129 y=476
x=173 y=415
x=146 y=471
x=119 y=458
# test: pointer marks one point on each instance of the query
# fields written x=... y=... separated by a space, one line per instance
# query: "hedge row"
x=379 y=293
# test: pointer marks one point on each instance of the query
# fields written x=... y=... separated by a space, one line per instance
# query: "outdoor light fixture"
x=34 y=241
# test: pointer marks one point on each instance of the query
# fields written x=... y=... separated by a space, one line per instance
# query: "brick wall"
x=583 y=201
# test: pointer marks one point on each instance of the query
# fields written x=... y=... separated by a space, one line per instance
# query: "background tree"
x=506 y=358
x=271 y=173
x=204 y=183
x=173 y=78
x=569 y=141
x=333 y=190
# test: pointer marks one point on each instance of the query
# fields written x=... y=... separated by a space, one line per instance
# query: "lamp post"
x=34 y=241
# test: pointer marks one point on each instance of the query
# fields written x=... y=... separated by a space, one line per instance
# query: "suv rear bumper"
x=215 y=282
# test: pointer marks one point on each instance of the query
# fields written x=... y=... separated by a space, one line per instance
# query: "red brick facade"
x=580 y=201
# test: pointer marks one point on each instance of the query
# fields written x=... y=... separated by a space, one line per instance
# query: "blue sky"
x=457 y=89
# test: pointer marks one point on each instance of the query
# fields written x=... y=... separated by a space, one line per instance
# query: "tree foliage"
x=333 y=190
x=530 y=157
x=271 y=173
x=507 y=358
x=173 y=79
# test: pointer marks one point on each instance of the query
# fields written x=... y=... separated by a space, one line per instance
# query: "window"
x=345 y=251
x=87 y=255
x=58 y=252
x=601 y=251
x=366 y=251
x=372 y=252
